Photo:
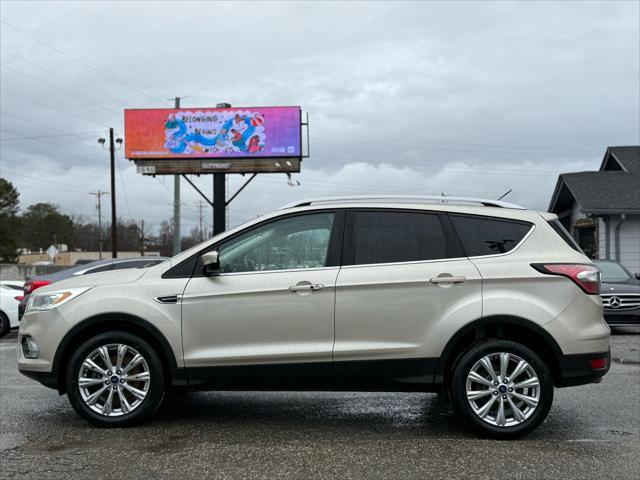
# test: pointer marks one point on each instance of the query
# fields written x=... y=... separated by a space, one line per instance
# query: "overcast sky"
x=415 y=98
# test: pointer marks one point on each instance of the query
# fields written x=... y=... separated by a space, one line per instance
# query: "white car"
x=10 y=296
x=491 y=303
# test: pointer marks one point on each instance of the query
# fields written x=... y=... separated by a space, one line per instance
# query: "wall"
x=629 y=241
x=13 y=271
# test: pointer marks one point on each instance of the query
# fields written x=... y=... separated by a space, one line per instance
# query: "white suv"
x=482 y=300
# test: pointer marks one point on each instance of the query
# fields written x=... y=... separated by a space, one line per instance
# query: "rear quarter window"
x=488 y=235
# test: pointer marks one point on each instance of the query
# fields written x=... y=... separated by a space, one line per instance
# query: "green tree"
x=9 y=222
x=43 y=225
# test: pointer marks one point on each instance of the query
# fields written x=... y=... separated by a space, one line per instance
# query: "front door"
x=266 y=321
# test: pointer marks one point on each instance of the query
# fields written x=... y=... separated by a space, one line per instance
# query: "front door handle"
x=439 y=280
x=309 y=287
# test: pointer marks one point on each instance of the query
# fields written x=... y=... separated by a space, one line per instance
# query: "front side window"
x=488 y=236
x=290 y=243
x=396 y=236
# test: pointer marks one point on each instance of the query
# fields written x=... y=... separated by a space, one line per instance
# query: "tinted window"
x=290 y=243
x=102 y=268
x=488 y=236
x=134 y=264
x=385 y=237
x=612 y=272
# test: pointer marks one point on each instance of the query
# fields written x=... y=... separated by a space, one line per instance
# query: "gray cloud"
x=463 y=98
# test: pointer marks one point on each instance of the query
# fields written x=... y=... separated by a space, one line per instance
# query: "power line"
x=428 y=167
x=51 y=72
x=124 y=192
x=78 y=59
x=76 y=134
x=59 y=89
x=413 y=147
x=512 y=147
x=65 y=147
x=71 y=114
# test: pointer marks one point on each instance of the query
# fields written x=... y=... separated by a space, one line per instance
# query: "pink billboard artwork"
x=213 y=132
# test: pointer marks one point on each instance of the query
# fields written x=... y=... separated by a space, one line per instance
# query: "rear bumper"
x=577 y=369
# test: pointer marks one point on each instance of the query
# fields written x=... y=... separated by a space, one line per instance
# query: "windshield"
x=612 y=272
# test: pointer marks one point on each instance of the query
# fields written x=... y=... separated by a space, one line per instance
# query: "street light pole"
x=112 y=157
x=114 y=224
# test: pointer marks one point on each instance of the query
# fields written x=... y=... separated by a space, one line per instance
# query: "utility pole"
x=98 y=194
x=114 y=224
x=142 y=238
x=200 y=217
x=176 y=204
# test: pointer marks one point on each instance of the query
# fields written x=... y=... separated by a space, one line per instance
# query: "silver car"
x=484 y=301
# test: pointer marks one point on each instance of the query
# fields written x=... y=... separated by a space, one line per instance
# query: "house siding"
x=629 y=241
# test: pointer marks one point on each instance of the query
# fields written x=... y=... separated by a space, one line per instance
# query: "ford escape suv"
x=485 y=301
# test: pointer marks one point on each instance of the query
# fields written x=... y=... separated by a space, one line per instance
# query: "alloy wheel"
x=503 y=389
x=114 y=379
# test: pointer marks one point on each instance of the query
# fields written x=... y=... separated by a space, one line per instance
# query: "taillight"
x=19 y=298
x=31 y=285
x=587 y=277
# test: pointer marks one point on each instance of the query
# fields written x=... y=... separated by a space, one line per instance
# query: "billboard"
x=213 y=133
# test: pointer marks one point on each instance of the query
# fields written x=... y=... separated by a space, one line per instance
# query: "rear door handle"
x=438 y=280
x=306 y=288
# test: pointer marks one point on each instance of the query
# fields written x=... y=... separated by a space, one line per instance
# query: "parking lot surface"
x=592 y=432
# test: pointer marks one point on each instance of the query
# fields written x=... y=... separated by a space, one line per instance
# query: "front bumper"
x=48 y=379
x=622 y=318
x=578 y=369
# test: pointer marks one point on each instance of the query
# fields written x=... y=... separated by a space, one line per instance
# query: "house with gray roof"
x=602 y=209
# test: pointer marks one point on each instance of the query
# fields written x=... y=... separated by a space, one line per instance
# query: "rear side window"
x=566 y=236
x=395 y=236
x=488 y=236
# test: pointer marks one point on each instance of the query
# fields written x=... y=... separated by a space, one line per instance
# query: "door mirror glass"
x=211 y=263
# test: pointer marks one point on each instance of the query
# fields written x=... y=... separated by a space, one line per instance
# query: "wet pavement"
x=592 y=432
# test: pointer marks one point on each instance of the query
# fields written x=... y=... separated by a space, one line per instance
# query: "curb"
x=624 y=361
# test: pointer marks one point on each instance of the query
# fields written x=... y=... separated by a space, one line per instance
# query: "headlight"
x=51 y=300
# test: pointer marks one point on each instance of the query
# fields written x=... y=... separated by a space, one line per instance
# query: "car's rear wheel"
x=5 y=325
x=502 y=388
x=115 y=379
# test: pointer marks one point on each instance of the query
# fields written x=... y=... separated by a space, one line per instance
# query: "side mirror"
x=211 y=263
x=637 y=276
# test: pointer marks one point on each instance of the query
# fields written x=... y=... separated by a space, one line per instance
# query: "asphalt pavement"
x=592 y=432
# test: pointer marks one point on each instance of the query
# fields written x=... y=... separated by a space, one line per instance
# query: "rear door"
x=404 y=282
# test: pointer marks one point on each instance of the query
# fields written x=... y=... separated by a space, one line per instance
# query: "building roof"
x=614 y=189
x=628 y=159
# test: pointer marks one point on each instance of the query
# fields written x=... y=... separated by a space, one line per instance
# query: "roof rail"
x=429 y=199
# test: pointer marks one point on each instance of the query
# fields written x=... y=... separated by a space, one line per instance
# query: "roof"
x=626 y=157
x=614 y=189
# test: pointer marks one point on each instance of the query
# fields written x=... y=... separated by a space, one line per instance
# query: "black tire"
x=5 y=325
x=461 y=404
x=147 y=406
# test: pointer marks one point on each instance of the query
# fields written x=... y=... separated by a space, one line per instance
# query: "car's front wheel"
x=503 y=388
x=115 y=379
